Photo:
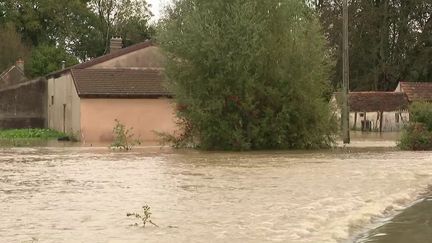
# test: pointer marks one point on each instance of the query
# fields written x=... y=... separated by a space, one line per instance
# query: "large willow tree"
x=247 y=74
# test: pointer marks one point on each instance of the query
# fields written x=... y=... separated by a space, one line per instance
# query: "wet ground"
x=83 y=194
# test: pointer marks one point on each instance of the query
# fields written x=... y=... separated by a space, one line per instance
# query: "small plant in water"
x=144 y=217
x=123 y=137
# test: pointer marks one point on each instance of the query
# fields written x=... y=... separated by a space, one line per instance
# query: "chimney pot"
x=20 y=64
x=116 y=44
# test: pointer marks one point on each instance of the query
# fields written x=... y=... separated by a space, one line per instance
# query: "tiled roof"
x=376 y=101
x=119 y=83
x=106 y=57
x=417 y=91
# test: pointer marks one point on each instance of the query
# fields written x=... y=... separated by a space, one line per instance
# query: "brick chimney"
x=20 y=64
x=116 y=44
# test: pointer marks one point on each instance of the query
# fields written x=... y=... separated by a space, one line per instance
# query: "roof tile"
x=118 y=83
x=376 y=101
x=417 y=91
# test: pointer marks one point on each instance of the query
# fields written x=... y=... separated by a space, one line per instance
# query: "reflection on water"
x=83 y=194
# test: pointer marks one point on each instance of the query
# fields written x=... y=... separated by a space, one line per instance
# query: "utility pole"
x=345 y=71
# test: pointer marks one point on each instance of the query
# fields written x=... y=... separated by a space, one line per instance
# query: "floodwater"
x=83 y=194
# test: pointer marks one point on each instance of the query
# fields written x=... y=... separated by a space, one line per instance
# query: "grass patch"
x=31 y=133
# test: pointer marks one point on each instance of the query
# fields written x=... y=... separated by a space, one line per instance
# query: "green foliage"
x=418 y=134
x=11 y=46
x=46 y=21
x=248 y=74
x=389 y=41
x=30 y=134
x=46 y=59
x=127 y=19
x=421 y=112
x=123 y=137
x=82 y=28
x=144 y=217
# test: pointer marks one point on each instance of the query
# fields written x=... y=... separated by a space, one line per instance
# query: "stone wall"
x=23 y=105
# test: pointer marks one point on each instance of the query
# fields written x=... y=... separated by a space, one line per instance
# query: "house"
x=416 y=91
x=13 y=75
x=126 y=85
x=22 y=101
x=376 y=111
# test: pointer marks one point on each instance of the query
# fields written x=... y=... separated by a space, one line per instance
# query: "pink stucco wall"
x=144 y=115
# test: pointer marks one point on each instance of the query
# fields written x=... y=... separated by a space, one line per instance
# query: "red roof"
x=376 y=101
x=417 y=91
x=119 y=83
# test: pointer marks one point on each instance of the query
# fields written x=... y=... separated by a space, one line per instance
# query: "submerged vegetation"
x=123 y=137
x=417 y=135
x=248 y=75
x=144 y=217
x=28 y=137
x=31 y=133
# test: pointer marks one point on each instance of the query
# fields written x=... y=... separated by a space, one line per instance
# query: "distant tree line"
x=390 y=40
x=47 y=32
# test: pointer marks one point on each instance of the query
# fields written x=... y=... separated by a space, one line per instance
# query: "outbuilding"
x=125 y=85
x=376 y=111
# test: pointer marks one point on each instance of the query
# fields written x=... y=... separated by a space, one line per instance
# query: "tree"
x=248 y=74
x=82 y=27
x=128 y=19
x=389 y=41
x=46 y=59
x=11 y=47
x=46 y=21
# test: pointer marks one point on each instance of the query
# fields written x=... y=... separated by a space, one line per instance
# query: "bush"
x=247 y=74
x=123 y=137
x=417 y=135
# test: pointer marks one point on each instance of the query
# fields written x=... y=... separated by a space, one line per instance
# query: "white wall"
x=63 y=105
x=390 y=122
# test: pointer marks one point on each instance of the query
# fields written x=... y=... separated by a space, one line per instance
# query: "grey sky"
x=157 y=6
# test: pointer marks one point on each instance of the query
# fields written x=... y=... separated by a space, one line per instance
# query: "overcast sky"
x=157 y=6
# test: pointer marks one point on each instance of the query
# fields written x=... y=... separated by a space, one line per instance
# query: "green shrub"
x=123 y=137
x=144 y=217
x=248 y=74
x=417 y=135
x=421 y=112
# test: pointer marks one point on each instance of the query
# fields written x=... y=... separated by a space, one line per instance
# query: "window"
x=52 y=100
x=397 y=115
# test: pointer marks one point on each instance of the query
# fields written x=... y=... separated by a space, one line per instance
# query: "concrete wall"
x=150 y=57
x=143 y=115
x=23 y=105
x=63 y=105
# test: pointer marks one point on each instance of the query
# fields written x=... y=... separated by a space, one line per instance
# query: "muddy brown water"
x=83 y=194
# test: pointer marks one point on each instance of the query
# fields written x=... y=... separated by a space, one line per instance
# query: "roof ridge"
x=100 y=83
x=106 y=57
x=417 y=82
